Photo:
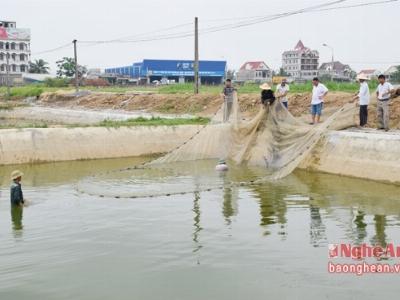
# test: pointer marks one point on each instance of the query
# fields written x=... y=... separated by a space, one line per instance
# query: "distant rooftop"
x=253 y=65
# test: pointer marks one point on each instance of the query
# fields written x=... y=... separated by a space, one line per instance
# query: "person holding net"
x=228 y=96
x=267 y=95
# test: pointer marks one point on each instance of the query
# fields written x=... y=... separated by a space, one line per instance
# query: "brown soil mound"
x=203 y=104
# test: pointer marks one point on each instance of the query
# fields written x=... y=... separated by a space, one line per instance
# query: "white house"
x=255 y=71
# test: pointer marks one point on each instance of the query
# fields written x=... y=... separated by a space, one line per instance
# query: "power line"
x=246 y=21
x=251 y=21
x=52 y=50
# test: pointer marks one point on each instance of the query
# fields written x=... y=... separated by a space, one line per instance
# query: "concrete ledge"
x=19 y=146
x=363 y=154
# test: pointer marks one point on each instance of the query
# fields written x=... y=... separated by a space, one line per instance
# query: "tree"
x=39 y=66
x=230 y=74
x=395 y=76
x=66 y=68
x=282 y=72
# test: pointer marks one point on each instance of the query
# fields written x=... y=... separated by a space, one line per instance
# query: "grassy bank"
x=155 y=122
x=187 y=88
x=109 y=123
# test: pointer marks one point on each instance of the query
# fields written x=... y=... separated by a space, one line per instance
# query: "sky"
x=363 y=37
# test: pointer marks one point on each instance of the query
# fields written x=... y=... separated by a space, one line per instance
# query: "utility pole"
x=8 y=74
x=196 y=55
x=76 y=68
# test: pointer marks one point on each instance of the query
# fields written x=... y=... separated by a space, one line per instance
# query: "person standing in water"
x=228 y=94
x=363 y=99
x=318 y=94
x=16 y=195
x=281 y=92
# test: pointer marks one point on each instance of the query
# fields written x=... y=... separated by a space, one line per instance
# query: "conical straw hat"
x=15 y=174
x=265 y=86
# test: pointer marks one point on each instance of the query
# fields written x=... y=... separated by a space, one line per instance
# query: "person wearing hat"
x=267 y=95
x=282 y=91
x=16 y=195
x=363 y=99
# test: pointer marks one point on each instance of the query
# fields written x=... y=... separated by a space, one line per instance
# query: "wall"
x=62 y=144
x=363 y=154
x=371 y=155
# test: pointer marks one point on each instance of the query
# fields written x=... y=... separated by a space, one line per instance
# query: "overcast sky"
x=365 y=37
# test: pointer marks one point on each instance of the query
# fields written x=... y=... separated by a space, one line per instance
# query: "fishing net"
x=273 y=139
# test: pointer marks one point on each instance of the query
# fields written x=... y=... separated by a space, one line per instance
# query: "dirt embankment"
x=203 y=104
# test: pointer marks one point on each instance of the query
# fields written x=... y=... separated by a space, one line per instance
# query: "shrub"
x=56 y=82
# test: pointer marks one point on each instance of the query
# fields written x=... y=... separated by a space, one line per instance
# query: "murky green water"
x=262 y=242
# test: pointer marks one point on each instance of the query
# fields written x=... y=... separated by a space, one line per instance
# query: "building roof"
x=253 y=65
x=368 y=71
x=300 y=46
x=337 y=65
x=392 y=69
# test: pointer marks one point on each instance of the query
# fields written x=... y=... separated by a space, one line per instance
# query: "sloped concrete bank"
x=368 y=154
x=364 y=154
x=18 y=146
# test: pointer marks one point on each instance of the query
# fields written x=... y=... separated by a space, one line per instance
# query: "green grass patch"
x=21 y=126
x=158 y=121
x=34 y=90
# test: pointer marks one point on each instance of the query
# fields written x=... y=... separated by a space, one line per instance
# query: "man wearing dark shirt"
x=228 y=93
x=16 y=195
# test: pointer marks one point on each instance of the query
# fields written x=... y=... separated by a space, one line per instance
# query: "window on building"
x=22 y=68
x=21 y=46
x=13 y=56
x=7 y=46
x=2 y=68
x=1 y=45
x=12 y=46
x=1 y=56
x=14 y=68
x=22 y=57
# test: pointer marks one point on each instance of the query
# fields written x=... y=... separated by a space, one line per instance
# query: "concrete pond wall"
x=18 y=146
x=364 y=154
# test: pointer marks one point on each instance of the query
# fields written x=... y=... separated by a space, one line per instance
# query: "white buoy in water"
x=221 y=166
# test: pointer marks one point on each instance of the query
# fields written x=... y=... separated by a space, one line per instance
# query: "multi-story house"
x=14 y=51
x=301 y=63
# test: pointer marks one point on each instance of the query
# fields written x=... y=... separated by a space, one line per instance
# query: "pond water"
x=267 y=241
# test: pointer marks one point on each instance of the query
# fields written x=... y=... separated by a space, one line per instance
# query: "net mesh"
x=273 y=139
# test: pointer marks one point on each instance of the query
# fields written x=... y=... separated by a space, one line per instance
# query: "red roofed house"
x=255 y=71
x=370 y=73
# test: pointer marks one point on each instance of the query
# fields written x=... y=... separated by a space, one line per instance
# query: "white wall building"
x=301 y=63
x=254 y=71
x=14 y=45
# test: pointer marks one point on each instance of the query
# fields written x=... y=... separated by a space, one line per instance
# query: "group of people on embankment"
x=384 y=91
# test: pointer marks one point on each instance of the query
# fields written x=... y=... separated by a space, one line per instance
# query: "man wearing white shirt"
x=383 y=93
x=281 y=92
x=363 y=99
x=318 y=94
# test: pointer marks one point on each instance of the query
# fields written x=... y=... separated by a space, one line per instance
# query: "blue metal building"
x=210 y=72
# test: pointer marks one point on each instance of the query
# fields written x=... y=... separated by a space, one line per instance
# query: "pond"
x=212 y=240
